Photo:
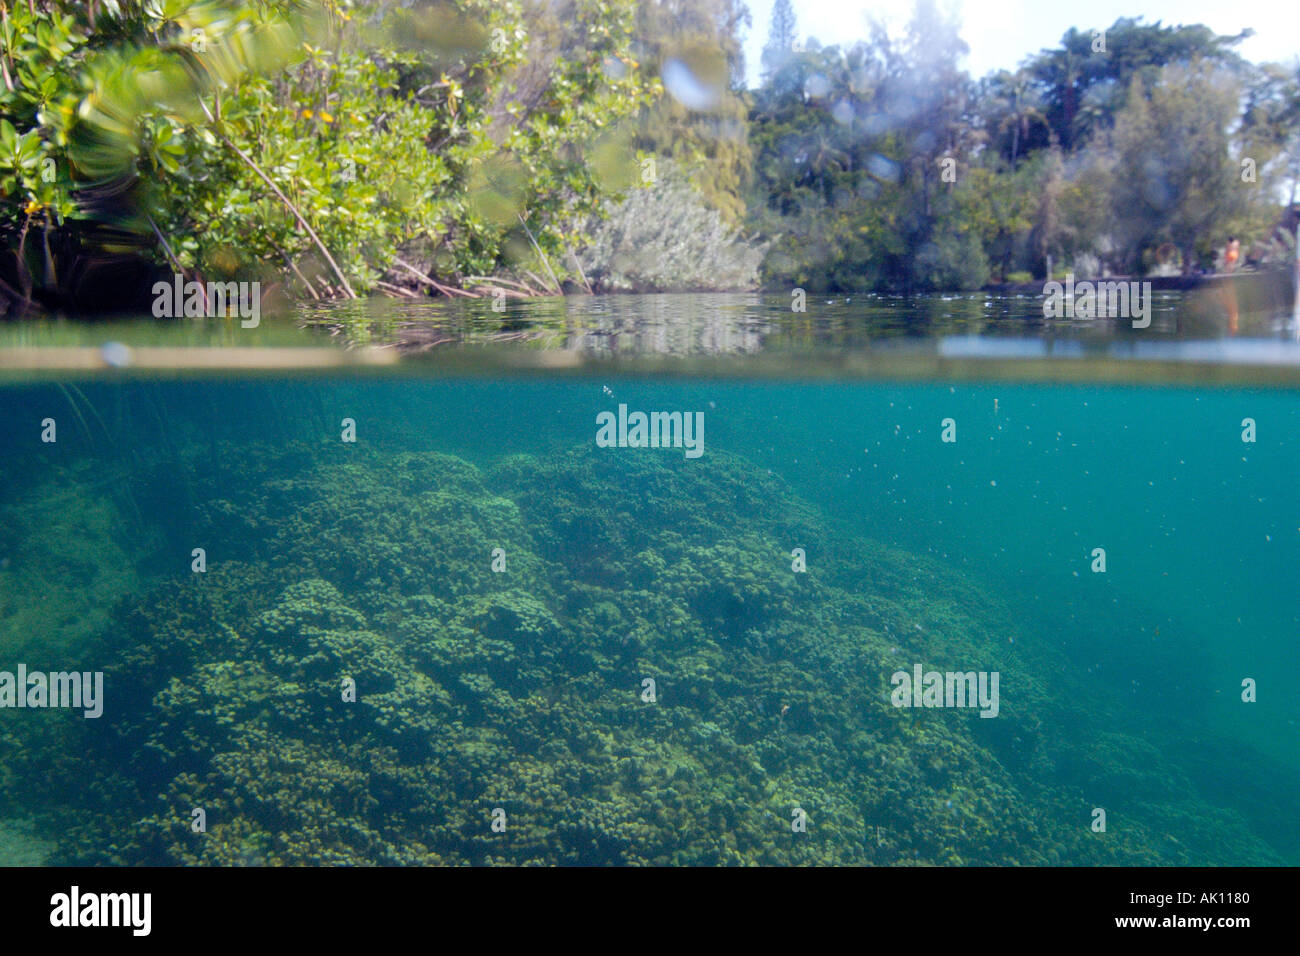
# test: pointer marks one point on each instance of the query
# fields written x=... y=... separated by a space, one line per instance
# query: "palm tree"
x=1020 y=106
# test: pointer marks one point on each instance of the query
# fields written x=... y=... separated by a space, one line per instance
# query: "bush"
x=951 y=261
x=663 y=238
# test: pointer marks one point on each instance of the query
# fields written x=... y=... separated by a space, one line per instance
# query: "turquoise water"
x=501 y=712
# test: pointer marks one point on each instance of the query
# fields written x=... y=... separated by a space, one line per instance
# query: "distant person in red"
x=1230 y=256
x=1232 y=253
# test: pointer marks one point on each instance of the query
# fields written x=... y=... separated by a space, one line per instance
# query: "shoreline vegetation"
x=331 y=149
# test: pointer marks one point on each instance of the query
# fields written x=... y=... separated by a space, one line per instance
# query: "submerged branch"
x=444 y=289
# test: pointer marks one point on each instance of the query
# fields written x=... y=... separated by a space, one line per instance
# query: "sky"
x=1001 y=33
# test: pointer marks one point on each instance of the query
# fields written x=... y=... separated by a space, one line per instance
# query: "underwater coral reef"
x=642 y=679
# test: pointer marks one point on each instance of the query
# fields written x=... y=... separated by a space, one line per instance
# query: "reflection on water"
x=968 y=336
x=726 y=324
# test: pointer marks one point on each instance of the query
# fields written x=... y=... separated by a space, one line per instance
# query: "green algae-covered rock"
x=646 y=679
